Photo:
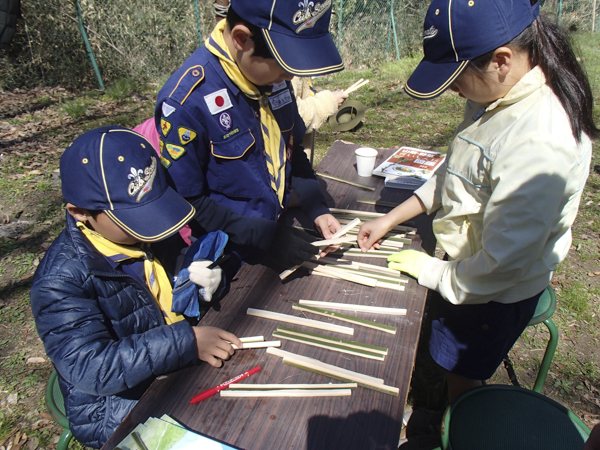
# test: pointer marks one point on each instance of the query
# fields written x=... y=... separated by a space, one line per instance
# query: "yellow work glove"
x=408 y=261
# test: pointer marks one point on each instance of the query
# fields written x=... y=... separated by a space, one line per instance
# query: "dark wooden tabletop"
x=365 y=420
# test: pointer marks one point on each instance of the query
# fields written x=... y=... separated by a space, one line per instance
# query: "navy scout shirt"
x=212 y=147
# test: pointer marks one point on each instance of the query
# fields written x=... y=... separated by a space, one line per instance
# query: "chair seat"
x=545 y=308
x=507 y=417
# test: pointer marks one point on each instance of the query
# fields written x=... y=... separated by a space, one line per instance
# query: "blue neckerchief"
x=186 y=295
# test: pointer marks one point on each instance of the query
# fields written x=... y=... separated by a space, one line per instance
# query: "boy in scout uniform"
x=230 y=133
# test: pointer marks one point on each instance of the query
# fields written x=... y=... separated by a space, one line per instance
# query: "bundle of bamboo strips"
x=314 y=365
x=265 y=387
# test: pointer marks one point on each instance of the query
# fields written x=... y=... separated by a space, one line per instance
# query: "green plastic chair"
x=543 y=313
x=56 y=407
x=500 y=417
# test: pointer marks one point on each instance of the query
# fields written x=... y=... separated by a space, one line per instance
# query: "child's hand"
x=327 y=225
x=340 y=96
x=209 y=279
x=370 y=233
x=212 y=344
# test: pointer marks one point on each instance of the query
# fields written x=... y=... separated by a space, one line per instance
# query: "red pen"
x=202 y=395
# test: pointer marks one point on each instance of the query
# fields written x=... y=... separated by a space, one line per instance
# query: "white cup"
x=365 y=161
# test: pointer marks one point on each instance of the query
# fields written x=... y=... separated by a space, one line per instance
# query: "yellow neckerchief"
x=274 y=145
x=156 y=277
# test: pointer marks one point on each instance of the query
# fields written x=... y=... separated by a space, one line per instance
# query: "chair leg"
x=64 y=440
x=548 y=355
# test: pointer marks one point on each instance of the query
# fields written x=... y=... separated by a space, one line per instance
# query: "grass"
x=49 y=123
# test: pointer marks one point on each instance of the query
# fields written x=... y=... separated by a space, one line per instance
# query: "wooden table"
x=365 y=420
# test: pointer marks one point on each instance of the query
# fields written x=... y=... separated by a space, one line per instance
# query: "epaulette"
x=187 y=83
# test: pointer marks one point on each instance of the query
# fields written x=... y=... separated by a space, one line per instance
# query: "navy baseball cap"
x=116 y=170
x=296 y=32
x=455 y=32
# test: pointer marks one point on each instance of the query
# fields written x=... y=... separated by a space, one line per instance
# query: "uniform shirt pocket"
x=236 y=172
x=470 y=162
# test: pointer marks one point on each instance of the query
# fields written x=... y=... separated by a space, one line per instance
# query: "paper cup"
x=365 y=161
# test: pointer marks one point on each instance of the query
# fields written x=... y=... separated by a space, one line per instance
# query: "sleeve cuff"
x=431 y=273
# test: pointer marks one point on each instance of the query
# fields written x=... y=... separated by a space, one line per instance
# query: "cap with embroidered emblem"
x=455 y=32
x=115 y=170
x=296 y=32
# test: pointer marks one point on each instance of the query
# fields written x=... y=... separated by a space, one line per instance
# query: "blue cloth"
x=472 y=340
x=186 y=295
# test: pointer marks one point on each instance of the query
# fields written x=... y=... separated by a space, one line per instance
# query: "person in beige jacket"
x=509 y=191
x=315 y=107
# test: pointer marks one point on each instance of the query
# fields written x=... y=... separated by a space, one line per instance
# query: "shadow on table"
x=349 y=433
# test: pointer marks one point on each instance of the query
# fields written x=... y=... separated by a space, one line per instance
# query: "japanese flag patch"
x=218 y=101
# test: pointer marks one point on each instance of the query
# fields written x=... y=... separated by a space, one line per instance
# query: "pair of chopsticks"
x=360 y=83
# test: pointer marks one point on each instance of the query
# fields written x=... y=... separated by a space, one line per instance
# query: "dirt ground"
x=34 y=131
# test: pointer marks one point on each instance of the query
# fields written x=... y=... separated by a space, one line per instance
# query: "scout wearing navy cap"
x=455 y=32
x=296 y=32
x=115 y=170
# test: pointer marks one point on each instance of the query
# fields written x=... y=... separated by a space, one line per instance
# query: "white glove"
x=209 y=279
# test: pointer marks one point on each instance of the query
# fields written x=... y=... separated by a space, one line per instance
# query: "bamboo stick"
x=350 y=307
x=375 y=387
x=307 y=360
x=329 y=346
x=365 y=323
x=335 y=340
x=342 y=180
x=299 y=321
x=252 y=339
x=358 y=86
x=287 y=393
x=247 y=387
x=265 y=344
x=355 y=84
x=336 y=241
x=385 y=278
x=331 y=370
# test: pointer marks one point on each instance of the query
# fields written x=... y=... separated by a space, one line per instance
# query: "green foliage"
x=77 y=108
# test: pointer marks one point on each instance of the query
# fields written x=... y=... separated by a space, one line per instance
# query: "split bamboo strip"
x=395 y=287
x=342 y=180
x=336 y=241
x=299 y=321
x=360 y=377
x=357 y=83
x=358 y=251
x=368 y=201
x=338 y=273
x=252 y=339
x=322 y=337
x=331 y=370
x=287 y=393
x=345 y=229
x=350 y=307
x=265 y=344
x=264 y=387
x=365 y=323
x=375 y=387
x=358 y=86
x=329 y=346
x=355 y=212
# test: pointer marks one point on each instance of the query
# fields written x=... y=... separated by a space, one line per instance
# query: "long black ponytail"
x=550 y=48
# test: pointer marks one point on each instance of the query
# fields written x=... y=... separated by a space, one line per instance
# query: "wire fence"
x=85 y=43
